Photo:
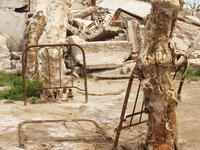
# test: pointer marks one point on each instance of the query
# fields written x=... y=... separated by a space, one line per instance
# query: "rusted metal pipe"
x=135 y=103
x=123 y=110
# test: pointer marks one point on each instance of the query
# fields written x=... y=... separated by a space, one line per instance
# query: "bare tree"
x=154 y=63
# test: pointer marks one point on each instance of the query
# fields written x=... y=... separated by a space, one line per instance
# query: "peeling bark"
x=33 y=33
x=155 y=60
x=56 y=33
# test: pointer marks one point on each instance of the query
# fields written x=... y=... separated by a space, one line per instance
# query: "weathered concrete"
x=101 y=55
x=105 y=33
x=11 y=4
x=86 y=12
x=15 y=55
x=71 y=30
x=134 y=6
x=195 y=63
x=13 y=24
x=124 y=71
x=135 y=35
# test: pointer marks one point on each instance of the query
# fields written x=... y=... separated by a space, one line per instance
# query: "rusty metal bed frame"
x=99 y=130
x=140 y=113
x=61 y=87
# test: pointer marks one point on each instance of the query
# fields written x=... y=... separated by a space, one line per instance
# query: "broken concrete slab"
x=86 y=12
x=105 y=33
x=71 y=30
x=120 y=37
x=134 y=6
x=195 y=63
x=3 y=47
x=118 y=23
x=15 y=55
x=135 y=35
x=118 y=73
x=13 y=24
x=179 y=44
x=101 y=55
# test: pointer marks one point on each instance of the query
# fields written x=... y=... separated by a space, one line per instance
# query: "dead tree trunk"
x=33 y=33
x=56 y=34
x=155 y=61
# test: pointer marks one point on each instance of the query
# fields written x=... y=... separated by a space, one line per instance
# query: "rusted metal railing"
x=50 y=87
x=118 y=12
x=140 y=113
x=99 y=130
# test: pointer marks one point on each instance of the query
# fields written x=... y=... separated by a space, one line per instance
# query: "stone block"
x=195 y=63
x=15 y=55
x=105 y=33
x=135 y=35
x=3 y=48
x=13 y=24
x=102 y=54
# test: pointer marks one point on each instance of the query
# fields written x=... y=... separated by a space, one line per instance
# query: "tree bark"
x=33 y=33
x=155 y=61
x=56 y=33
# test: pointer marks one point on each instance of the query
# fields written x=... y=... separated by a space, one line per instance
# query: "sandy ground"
x=104 y=109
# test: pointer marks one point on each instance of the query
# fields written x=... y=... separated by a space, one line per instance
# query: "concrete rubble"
x=108 y=42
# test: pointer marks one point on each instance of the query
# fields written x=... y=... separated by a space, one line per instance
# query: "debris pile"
x=111 y=38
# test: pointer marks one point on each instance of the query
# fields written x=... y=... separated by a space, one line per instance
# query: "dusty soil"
x=104 y=107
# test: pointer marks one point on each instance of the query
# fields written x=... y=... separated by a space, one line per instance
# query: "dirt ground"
x=104 y=107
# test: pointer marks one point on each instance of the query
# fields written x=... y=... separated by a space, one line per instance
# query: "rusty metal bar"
x=55 y=88
x=53 y=45
x=134 y=107
x=60 y=66
x=74 y=121
x=183 y=75
x=70 y=53
x=123 y=110
x=21 y=135
x=66 y=126
x=124 y=127
x=133 y=114
x=141 y=111
x=189 y=22
x=118 y=12
x=49 y=67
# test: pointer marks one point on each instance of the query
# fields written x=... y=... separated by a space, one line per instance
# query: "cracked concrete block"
x=71 y=30
x=118 y=72
x=5 y=63
x=13 y=24
x=15 y=55
x=195 y=63
x=105 y=33
x=86 y=12
x=119 y=23
x=102 y=54
x=135 y=35
x=120 y=37
x=3 y=48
